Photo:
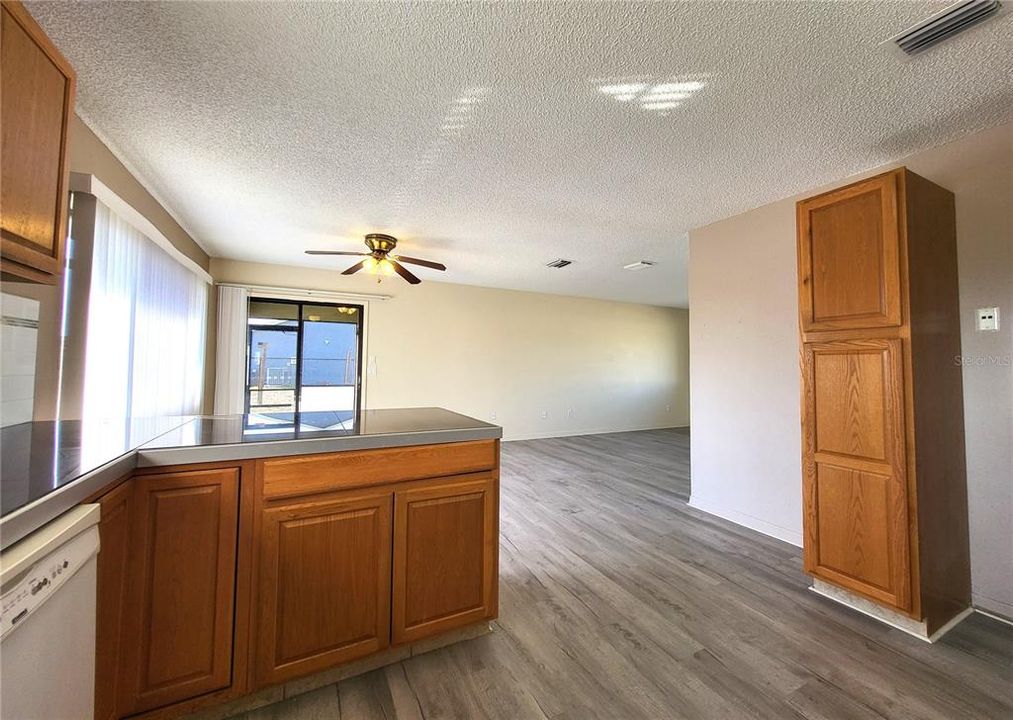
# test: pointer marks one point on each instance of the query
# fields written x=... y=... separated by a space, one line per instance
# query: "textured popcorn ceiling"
x=477 y=133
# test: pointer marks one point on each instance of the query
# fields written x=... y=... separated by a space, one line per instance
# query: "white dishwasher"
x=47 y=646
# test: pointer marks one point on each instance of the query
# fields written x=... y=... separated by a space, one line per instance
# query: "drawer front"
x=307 y=474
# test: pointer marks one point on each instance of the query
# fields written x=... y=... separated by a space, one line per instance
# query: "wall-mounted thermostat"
x=988 y=319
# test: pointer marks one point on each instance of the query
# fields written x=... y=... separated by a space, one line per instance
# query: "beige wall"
x=88 y=154
x=745 y=383
x=479 y=351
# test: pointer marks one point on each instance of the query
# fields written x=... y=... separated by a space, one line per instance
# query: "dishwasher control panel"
x=26 y=593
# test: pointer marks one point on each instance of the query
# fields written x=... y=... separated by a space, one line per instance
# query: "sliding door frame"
x=360 y=332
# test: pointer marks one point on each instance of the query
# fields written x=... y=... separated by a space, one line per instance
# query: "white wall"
x=590 y=365
x=745 y=447
x=19 y=333
x=745 y=383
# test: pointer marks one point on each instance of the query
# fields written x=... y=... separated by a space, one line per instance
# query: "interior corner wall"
x=88 y=154
x=746 y=444
x=506 y=356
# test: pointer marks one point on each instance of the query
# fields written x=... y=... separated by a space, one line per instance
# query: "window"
x=147 y=311
x=303 y=357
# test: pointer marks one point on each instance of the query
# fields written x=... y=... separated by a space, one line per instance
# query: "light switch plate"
x=988 y=319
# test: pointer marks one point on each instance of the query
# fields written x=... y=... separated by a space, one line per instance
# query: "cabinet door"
x=178 y=619
x=35 y=110
x=849 y=257
x=114 y=534
x=446 y=550
x=324 y=583
x=854 y=481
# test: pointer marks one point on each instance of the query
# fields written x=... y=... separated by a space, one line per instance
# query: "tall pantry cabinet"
x=883 y=470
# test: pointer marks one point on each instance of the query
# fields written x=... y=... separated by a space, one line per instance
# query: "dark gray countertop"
x=47 y=468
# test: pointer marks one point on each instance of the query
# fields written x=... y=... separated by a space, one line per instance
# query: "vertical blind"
x=230 y=358
x=146 y=327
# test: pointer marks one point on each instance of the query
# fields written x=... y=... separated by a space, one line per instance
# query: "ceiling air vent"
x=944 y=25
x=560 y=263
x=640 y=265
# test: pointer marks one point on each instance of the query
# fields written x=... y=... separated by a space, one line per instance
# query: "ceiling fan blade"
x=355 y=268
x=404 y=272
x=333 y=252
x=423 y=263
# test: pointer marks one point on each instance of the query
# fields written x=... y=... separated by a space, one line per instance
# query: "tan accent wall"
x=590 y=365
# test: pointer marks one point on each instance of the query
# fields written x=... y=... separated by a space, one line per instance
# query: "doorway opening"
x=303 y=357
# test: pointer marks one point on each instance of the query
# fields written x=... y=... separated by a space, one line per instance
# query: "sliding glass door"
x=303 y=357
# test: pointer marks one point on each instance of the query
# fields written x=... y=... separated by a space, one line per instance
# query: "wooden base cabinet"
x=324 y=583
x=884 y=488
x=218 y=580
x=446 y=549
x=114 y=534
x=178 y=611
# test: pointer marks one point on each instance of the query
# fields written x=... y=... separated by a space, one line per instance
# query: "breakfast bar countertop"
x=49 y=467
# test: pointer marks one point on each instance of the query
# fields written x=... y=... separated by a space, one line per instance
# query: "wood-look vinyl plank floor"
x=619 y=601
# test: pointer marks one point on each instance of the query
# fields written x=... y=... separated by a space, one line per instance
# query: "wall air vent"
x=943 y=25
x=640 y=265
x=560 y=263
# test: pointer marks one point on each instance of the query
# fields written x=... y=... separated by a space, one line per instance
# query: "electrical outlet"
x=668 y=408
x=545 y=414
x=988 y=319
x=493 y=415
x=569 y=412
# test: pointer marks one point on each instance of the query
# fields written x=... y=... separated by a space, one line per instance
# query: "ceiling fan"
x=379 y=261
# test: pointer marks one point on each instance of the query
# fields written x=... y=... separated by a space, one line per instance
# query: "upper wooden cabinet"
x=884 y=488
x=180 y=589
x=446 y=546
x=324 y=583
x=849 y=257
x=36 y=105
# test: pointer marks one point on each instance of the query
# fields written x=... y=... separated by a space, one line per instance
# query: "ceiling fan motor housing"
x=380 y=243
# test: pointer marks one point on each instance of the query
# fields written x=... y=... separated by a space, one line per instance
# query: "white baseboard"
x=993 y=607
x=753 y=523
x=586 y=431
x=994 y=616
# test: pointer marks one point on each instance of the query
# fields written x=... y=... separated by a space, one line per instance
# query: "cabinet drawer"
x=307 y=474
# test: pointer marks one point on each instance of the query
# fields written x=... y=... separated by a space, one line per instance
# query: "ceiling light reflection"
x=624 y=89
x=682 y=87
x=653 y=96
x=660 y=97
